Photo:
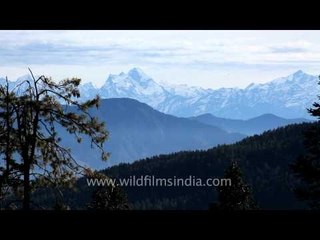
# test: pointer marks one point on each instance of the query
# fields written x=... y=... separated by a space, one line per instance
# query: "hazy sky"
x=210 y=59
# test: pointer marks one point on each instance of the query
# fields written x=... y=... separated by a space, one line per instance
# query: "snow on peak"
x=88 y=85
x=111 y=77
x=286 y=96
x=137 y=74
x=299 y=73
x=134 y=77
x=24 y=78
x=2 y=81
x=251 y=85
x=134 y=84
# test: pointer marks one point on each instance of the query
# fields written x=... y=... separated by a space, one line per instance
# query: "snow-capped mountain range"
x=287 y=97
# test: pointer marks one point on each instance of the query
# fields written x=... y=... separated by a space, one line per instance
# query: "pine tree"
x=31 y=148
x=8 y=178
x=237 y=195
x=307 y=166
x=108 y=197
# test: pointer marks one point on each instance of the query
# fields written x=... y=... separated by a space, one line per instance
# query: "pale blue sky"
x=209 y=59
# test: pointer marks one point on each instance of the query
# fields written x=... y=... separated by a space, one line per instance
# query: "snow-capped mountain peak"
x=89 y=85
x=298 y=73
x=134 y=84
x=24 y=78
x=88 y=90
x=138 y=75
x=297 y=76
x=251 y=85
x=112 y=77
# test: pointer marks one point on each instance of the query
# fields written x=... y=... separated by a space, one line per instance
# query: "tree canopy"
x=32 y=154
x=238 y=195
x=307 y=166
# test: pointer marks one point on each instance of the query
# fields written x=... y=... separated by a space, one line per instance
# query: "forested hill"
x=138 y=131
x=264 y=159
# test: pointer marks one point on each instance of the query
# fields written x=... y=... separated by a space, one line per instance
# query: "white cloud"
x=176 y=56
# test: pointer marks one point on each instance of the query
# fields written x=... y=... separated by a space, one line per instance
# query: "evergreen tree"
x=31 y=148
x=8 y=178
x=307 y=166
x=236 y=196
x=108 y=197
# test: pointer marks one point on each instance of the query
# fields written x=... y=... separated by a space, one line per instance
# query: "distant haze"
x=209 y=59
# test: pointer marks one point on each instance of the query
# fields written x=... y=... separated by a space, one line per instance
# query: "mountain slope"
x=249 y=127
x=264 y=160
x=138 y=131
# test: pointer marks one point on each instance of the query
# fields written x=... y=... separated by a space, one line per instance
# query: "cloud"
x=151 y=47
x=58 y=53
x=288 y=49
x=94 y=53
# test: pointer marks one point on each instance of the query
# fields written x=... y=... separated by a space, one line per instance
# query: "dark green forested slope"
x=264 y=160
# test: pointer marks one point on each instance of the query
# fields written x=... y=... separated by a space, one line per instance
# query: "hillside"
x=251 y=126
x=138 y=131
x=264 y=159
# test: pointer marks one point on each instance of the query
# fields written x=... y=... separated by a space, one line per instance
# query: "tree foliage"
x=264 y=160
x=307 y=166
x=238 y=195
x=32 y=154
x=108 y=197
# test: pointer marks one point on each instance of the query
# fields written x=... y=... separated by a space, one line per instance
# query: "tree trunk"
x=26 y=187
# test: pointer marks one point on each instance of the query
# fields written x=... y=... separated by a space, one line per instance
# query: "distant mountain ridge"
x=138 y=131
x=251 y=126
x=286 y=97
